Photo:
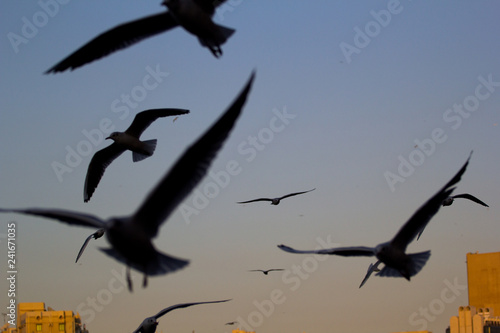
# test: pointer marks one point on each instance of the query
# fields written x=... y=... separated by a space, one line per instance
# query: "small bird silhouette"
x=128 y=140
x=448 y=201
x=149 y=324
x=195 y=16
x=393 y=253
x=98 y=234
x=266 y=271
x=372 y=268
x=231 y=323
x=275 y=201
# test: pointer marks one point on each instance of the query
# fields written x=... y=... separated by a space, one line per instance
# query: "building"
x=483 y=278
x=472 y=320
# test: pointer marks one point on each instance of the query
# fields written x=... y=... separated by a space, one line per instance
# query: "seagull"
x=130 y=236
x=98 y=234
x=231 y=323
x=393 y=253
x=195 y=16
x=149 y=324
x=275 y=201
x=448 y=201
x=266 y=271
x=122 y=141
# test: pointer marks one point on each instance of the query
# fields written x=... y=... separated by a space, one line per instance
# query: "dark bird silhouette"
x=396 y=262
x=195 y=16
x=267 y=270
x=448 y=201
x=128 y=140
x=372 y=268
x=275 y=201
x=98 y=234
x=231 y=323
x=130 y=236
x=149 y=324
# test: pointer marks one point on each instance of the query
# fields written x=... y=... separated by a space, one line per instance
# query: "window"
x=38 y=327
x=61 y=327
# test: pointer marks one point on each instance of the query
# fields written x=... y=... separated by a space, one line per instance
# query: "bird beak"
x=107 y=138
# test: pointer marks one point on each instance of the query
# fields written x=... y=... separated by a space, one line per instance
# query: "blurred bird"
x=149 y=324
x=195 y=16
x=266 y=271
x=275 y=201
x=372 y=268
x=396 y=262
x=130 y=236
x=231 y=323
x=128 y=140
x=448 y=201
x=98 y=234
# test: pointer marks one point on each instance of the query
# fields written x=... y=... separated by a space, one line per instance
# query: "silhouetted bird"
x=231 y=323
x=396 y=262
x=266 y=271
x=448 y=201
x=372 y=268
x=149 y=324
x=128 y=140
x=130 y=236
x=275 y=201
x=195 y=16
x=98 y=234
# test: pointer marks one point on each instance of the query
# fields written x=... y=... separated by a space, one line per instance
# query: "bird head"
x=114 y=136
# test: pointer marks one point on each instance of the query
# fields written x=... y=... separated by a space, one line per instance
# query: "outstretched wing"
x=353 y=251
x=297 y=193
x=97 y=166
x=66 y=216
x=143 y=119
x=116 y=39
x=417 y=223
x=183 y=305
x=254 y=200
x=470 y=197
x=189 y=169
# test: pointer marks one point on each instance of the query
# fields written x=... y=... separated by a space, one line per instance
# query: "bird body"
x=266 y=271
x=276 y=201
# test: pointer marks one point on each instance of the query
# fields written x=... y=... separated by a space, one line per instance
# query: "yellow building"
x=472 y=320
x=483 y=276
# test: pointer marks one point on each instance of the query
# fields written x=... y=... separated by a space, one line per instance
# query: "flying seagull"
x=267 y=270
x=231 y=323
x=98 y=234
x=275 y=201
x=448 y=201
x=149 y=324
x=128 y=140
x=130 y=236
x=393 y=253
x=195 y=16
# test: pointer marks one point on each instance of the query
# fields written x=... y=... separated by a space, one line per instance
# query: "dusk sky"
x=376 y=104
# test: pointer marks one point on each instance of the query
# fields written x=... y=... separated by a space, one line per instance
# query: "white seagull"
x=195 y=16
x=275 y=201
x=130 y=236
x=123 y=141
x=98 y=234
x=393 y=253
x=149 y=324
x=128 y=140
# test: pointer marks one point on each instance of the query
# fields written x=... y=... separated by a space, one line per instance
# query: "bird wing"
x=189 y=169
x=66 y=216
x=417 y=223
x=183 y=305
x=209 y=6
x=254 y=200
x=470 y=197
x=95 y=235
x=98 y=164
x=275 y=269
x=372 y=268
x=116 y=39
x=352 y=251
x=296 y=193
x=143 y=119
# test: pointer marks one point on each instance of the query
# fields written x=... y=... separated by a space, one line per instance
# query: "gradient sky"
x=363 y=92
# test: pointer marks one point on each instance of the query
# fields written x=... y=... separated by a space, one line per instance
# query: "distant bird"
x=149 y=324
x=195 y=16
x=275 y=201
x=231 y=323
x=448 y=201
x=372 y=268
x=266 y=271
x=98 y=234
x=130 y=236
x=128 y=140
x=396 y=262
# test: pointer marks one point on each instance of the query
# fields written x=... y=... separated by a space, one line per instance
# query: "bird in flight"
x=231 y=323
x=149 y=324
x=448 y=201
x=397 y=263
x=195 y=16
x=122 y=141
x=275 y=201
x=130 y=236
x=98 y=234
x=266 y=271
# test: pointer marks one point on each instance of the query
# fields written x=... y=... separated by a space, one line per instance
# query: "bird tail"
x=148 y=148
x=417 y=261
x=224 y=34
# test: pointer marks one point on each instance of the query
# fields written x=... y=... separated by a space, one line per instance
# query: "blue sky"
x=375 y=104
